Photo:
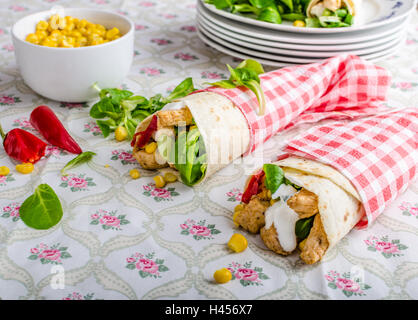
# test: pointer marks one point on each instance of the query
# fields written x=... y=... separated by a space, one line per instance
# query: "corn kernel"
x=42 y=25
x=151 y=147
x=192 y=127
x=82 y=24
x=134 y=173
x=159 y=182
x=222 y=275
x=68 y=42
x=239 y=207
x=4 y=171
x=170 y=177
x=32 y=38
x=82 y=41
x=302 y=244
x=121 y=133
x=235 y=218
x=237 y=243
x=96 y=41
x=76 y=34
x=25 y=168
x=299 y=23
x=110 y=34
x=42 y=34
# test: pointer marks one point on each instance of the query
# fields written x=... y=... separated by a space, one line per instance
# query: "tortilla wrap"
x=339 y=204
x=222 y=126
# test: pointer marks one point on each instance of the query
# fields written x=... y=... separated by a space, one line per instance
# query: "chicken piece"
x=305 y=203
x=332 y=4
x=148 y=160
x=271 y=240
x=168 y=118
x=251 y=218
x=316 y=243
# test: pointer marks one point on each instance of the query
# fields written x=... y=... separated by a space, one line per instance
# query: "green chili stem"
x=3 y=135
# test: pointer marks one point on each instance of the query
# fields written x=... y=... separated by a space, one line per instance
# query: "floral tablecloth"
x=124 y=239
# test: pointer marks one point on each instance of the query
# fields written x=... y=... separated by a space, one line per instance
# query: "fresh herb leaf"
x=293 y=16
x=270 y=14
x=246 y=75
x=80 y=159
x=312 y=23
x=303 y=227
x=274 y=176
x=42 y=210
x=288 y=3
x=118 y=107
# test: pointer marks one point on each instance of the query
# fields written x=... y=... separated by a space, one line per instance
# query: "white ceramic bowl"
x=67 y=74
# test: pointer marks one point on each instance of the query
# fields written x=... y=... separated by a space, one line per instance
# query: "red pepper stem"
x=3 y=135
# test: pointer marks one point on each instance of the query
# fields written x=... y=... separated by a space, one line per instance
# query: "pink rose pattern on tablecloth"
x=234 y=194
x=161 y=42
x=199 y=230
x=125 y=157
x=246 y=274
x=9 y=100
x=212 y=75
x=77 y=182
x=11 y=211
x=404 y=86
x=185 y=56
x=387 y=248
x=46 y=254
x=23 y=123
x=151 y=72
x=5 y=179
x=109 y=220
x=349 y=286
x=159 y=194
x=79 y=296
x=147 y=265
x=409 y=209
x=52 y=151
x=92 y=128
x=69 y=105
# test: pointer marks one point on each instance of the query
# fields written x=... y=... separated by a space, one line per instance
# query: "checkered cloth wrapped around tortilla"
x=342 y=86
x=378 y=154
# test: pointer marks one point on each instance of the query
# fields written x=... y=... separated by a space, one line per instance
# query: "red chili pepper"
x=145 y=135
x=51 y=128
x=22 y=145
x=252 y=187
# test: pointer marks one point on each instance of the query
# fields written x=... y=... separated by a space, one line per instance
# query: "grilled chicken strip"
x=169 y=118
x=148 y=160
x=316 y=243
x=270 y=239
x=332 y=4
x=305 y=203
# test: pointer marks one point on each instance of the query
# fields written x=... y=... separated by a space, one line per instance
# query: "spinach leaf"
x=42 y=210
x=222 y=4
x=303 y=227
x=270 y=14
x=312 y=23
x=262 y=3
x=80 y=159
x=183 y=89
x=274 y=176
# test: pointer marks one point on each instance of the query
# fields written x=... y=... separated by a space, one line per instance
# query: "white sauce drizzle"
x=284 y=219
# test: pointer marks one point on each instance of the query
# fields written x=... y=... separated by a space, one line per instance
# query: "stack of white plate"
x=379 y=35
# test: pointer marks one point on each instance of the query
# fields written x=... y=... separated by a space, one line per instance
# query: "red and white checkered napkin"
x=342 y=86
x=378 y=154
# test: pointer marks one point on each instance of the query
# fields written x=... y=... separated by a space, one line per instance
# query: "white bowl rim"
x=128 y=20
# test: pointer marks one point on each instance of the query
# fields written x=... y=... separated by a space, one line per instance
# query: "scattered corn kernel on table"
x=123 y=238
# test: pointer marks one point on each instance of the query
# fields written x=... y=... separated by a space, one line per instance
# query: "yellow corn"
x=159 y=182
x=237 y=210
x=32 y=38
x=25 y=168
x=134 y=173
x=42 y=34
x=4 y=171
x=110 y=34
x=151 y=147
x=121 y=133
x=170 y=177
x=302 y=244
x=85 y=33
x=237 y=243
x=299 y=23
x=222 y=275
x=42 y=25
x=192 y=127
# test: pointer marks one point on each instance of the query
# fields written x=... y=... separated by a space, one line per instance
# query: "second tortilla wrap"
x=338 y=207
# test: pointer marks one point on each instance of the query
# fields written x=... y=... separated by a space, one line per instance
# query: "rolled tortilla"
x=339 y=210
x=351 y=6
x=222 y=126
